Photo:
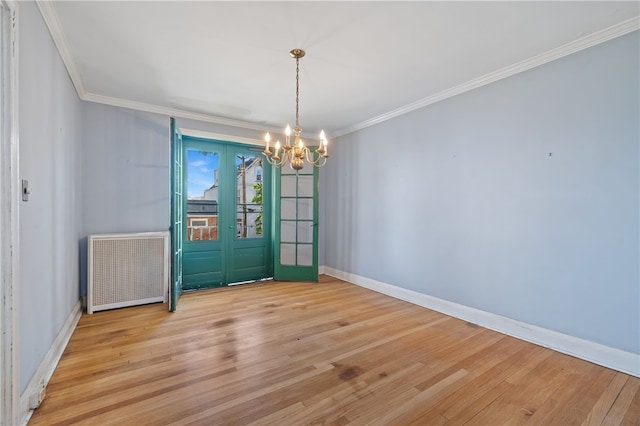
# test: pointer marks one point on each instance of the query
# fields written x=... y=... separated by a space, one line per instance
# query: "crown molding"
x=175 y=112
x=590 y=40
x=57 y=34
x=52 y=22
x=55 y=29
x=180 y=113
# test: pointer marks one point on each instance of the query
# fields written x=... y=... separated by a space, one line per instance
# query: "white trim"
x=221 y=137
x=130 y=235
x=9 y=218
x=34 y=392
x=175 y=112
x=180 y=113
x=199 y=220
x=50 y=18
x=57 y=34
x=137 y=302
x=617 y=359
x=590 y=40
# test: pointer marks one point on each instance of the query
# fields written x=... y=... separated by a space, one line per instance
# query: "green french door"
x=296 y=224
x=225 y=237
x=175 y=287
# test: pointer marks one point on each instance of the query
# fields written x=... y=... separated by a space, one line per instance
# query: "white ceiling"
x=229 y=62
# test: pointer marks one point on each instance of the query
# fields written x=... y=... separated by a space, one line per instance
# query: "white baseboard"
x=626 y=362
x=38 y=383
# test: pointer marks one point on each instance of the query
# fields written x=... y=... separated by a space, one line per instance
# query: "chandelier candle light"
x=294 y=154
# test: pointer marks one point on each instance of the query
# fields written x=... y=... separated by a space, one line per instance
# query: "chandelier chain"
x=297 y=91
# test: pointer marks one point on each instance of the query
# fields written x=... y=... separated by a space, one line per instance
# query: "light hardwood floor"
x=327 y=353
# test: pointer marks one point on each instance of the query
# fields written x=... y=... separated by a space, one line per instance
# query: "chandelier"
x=295 y=154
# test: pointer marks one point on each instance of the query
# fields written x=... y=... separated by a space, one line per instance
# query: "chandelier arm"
x=283 y=161
x=310 y=156
x=276 y=163
x=324 y=161
x=319 y=162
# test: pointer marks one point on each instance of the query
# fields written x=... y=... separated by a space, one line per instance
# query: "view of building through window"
x=204 y=195
x=249 y=190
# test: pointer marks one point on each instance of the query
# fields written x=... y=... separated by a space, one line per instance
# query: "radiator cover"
x=127 y=270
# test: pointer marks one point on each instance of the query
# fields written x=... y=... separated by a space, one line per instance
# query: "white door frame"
x=10 y=196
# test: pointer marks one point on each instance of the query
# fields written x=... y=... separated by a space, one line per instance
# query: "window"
x=198 y=222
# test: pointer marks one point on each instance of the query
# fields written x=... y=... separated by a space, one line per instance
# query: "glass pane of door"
x=249 y=184
x=202 y=195
x=297 y=232
x=206 y=206
x=250 y=252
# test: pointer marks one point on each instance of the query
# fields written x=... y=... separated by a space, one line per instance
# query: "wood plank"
x=620 y=407
x=606 y=400
x=329 y=353
x=633 y=413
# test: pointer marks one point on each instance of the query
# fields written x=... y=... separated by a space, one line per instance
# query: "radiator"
x=127 y=270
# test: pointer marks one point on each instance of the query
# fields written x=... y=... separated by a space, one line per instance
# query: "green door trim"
x=295 y=272
x=233 y=259
x=175 y=289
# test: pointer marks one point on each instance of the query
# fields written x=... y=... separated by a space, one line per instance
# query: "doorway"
x=225 y=234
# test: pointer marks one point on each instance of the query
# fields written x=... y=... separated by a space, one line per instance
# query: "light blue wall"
x=125 y=185
x=50 y=157
x=126 y=170
x=519 y=198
